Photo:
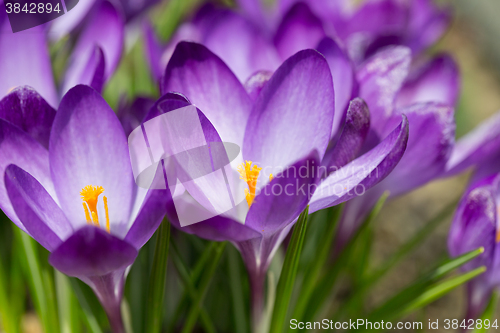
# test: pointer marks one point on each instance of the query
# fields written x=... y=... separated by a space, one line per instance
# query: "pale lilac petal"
x=437 y=81
x=17 y=147
x=210 y=85
x=380 y=79
x=293 y=114
x=88 y=147
x=475 y=147
x=92 y=251
x=39 y=213
x=280 y=202
x=256 y=82
x=235 y=41
x=344 y=78
x=26 y=61
x=427 y=23
x=351 y=138
x=299 y=30
x=430 y=143
x=105 y=29
x=26 y=109
x=218 y=228
x=363 y=173
x=149 y=218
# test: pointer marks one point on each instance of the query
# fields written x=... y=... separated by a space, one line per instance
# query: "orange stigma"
x=90 y=195
x=249 y=173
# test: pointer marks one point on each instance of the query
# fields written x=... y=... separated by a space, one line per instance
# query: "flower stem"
x=110 y=296
x=257 y=279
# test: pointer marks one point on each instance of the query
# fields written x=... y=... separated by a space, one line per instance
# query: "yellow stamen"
x=106 y=210
x=498 y=236
x=271 y=177
x=87 y=214
x=90 y=195
x=249 y=173
x=95 y=219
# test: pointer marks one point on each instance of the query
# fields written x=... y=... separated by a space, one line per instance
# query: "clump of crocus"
x=78 y=199
x=282 y=125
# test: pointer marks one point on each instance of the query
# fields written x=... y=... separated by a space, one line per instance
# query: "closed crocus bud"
x=475 y=225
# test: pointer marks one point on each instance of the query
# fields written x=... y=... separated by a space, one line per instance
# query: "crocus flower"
x=95 y=56
x=282 y=125
x=426 y=95
x=78 y=199
x=475 y=225
x=364 y=28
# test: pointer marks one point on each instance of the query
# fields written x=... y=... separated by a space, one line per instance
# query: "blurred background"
x=474 y=42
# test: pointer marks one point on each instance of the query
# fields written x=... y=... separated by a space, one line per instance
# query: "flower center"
x=249 y=173
x=90 y=195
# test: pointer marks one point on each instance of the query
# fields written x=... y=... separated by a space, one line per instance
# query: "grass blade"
x=441 y=289
x=314 y=270
x=325 y=286
x=206 y=278
x=288 y=273
x=158 y=277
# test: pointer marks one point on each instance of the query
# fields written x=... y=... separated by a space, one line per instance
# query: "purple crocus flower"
x=78 y=199
x=95 y=56
x=364 y=28
x=426 y=95
x=475 y=225
x=282 y=125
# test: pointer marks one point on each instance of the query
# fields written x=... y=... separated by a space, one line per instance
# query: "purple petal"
x=132 y=115
x=99 y=64
x=19 y=148
x=380 y=78
x=430 y=143
x=153 y=50
x=280 y=202
x=235 y=41
x=39 y=213
x=299 y=30
x=363 y=173
x=26 y=109
x=256 y=82
x=91 y=251
x=88 y=147
x=217 y=228
x=105 y=30
x=437 y=81
x=352 y=137
x=293 y=114
x=149 y=218
x=475 y=147
x=26 y=61
x=427 y=23
x=344 y=78
x=209 y=84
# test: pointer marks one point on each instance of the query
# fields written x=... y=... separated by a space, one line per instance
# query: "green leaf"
x=38 y=280
x=369 y=281
x=206 y=278
x=441 y=289
x=9 y=320
x=237 y=294
x=324 y=247
x=324 y=287
x=67 y=310
x=89 y=305
x=191 y=289
x=395 y=306
x=158 y=277
x=288 y=273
